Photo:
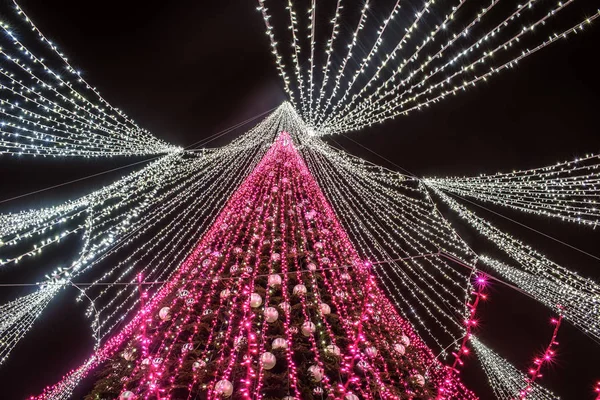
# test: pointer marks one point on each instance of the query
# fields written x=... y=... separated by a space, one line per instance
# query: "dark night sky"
x=185 y=70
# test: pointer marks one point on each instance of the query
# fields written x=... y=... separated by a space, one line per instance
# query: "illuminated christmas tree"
x=275 y=303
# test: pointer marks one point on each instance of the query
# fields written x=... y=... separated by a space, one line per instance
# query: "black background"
x=185 y=70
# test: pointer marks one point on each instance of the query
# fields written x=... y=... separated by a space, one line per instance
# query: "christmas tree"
x=274 y=303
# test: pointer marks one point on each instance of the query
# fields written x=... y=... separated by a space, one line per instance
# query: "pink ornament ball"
x=225 y=293
x=308 y=328
x=300 y=290
x=400 y=349
x=333 y=349
x=419 y=380
x=271 y=314
x=371 y=351
x=351 y=396
x=165 y=313
x=268 y=360
x=405 y=340
x=274 y=280
x=224 y=388
x=285 y=306
x=279 y=343
x=311 y=267
x=324 y=309
x=127 y=395
x=255 y=300
x=316 y=372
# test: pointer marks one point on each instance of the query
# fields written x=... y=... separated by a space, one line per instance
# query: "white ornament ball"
x=234 y=269
x=371 y=351
x=271 y=314
x=351 y=396
x=268 y=360
x=400 y=349
x=308 y=328
x=316 y=372
x=345 y=276
x=405 y=340
x=279 y=343
x=127 y=395
x=285 y=306
x=165 y=313
x=198 y=364
x=319 y=246
x=128 y=355
x=333 y=349
x=324 y=309
x=255 y=300
x=225 y=293
x=419 y=380
x=300 y=290
x=224 y=388
x=274 y=280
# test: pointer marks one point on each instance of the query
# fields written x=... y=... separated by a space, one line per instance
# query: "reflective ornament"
x=234 y=269
x=340 y=293
x=225 y=293
x=324 y=309
x=419 y=380
x=206 y=263
x=198 y=364
x=224 y=388
x=165 y=313
x=405 y=340
x=268 y=360
x=318 y=390
x=345 y=277
x=285 y=306
x=371 y=351
x=362 y=365
x=187 y=347
x=351 y=396
x=279 y=343
x=255 y=300
x=274 y=280
x=325 y=261
x=333 y=349
x=271 y=314
x=129 y=355
x=318 y=246
x=311 y=267
x=300 y=290
x=275 y=257
x=400 y=349
x=308 y=328
x=127 y=395
x=316 y=372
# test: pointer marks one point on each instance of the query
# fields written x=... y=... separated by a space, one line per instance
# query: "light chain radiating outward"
x=48 y=109
x=149 y=219
x=506 y=381
x=423 y=56
x=569 y=191
x=544 y=280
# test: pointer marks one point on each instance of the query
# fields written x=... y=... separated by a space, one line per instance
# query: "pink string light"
x=546 y=357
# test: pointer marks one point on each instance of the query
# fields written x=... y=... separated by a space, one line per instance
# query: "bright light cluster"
x=48 y=109
x=416 y=58
x=569 y=191
x=506 y=381
x=547 y=282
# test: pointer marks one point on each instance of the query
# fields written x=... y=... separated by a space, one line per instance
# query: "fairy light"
x=545 y=358
x=48 y=114
x=567 y=191
x=505 y=380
